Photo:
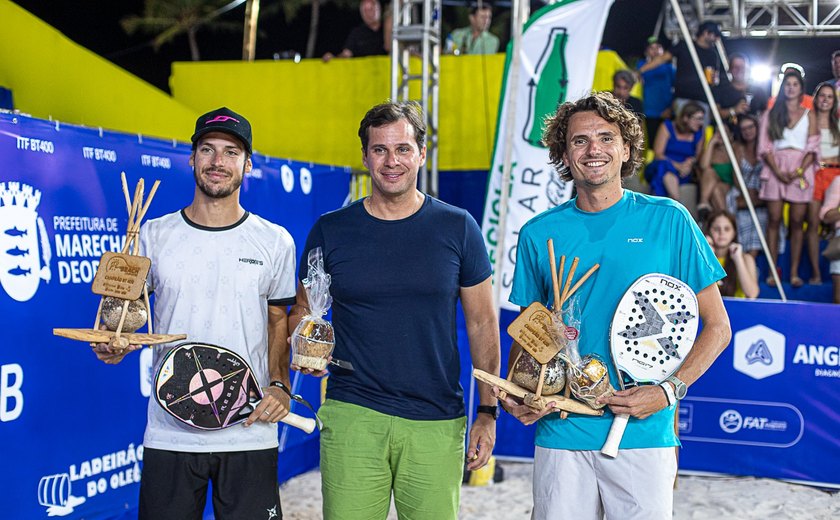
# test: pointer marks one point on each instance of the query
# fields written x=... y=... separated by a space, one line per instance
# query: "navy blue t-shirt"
x=395 y=287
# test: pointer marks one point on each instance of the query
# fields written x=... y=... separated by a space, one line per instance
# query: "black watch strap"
x=490 y=410
x=296 y=398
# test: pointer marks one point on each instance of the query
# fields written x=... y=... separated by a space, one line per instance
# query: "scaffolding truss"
x=760 y=18
x=417 y=34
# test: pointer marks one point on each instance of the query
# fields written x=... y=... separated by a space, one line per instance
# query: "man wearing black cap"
x=223 y=276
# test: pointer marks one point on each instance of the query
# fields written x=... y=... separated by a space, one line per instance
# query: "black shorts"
x=173 y=485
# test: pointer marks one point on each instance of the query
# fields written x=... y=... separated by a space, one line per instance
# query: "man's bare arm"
x=713 y=339
x=483 y=333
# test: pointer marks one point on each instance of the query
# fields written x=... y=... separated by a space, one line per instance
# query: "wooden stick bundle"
x=136 y=207
x=533 y=400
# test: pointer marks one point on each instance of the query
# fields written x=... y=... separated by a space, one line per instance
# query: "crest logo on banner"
x=731 y=421
x=24 y=245
x=556 y=64
x=759 y=352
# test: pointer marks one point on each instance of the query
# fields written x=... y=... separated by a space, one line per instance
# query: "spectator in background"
x=475 y=39
x=828 y=124
x=741 y=95
x=830 y=214
x=370 y=38
x=828 y=168
x=835 y=70
x=687 y=86
x=746 y=141
x=715 y=176
x=657 y=88
x=787 y=142
x=741 y=274
x=793 y=68
x=623 y=82
x=676 y=149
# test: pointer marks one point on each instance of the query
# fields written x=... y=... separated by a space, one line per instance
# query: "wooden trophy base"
x=560 y=403
x=122 y=342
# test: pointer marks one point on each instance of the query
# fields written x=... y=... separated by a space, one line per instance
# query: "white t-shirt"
x=215 y=286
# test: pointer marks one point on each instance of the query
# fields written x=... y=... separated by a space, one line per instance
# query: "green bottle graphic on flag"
x=548 y=88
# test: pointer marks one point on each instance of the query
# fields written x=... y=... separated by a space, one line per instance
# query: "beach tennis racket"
x=210 y=387
x=652 y=331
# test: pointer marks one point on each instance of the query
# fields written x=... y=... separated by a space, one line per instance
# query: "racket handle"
x=298 y=421
x=610 y=447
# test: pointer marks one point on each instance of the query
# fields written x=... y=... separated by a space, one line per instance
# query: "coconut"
x=112 y=310
x=526 y=373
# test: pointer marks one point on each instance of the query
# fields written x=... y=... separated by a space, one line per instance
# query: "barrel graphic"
x=548 y=87
x=53 y=490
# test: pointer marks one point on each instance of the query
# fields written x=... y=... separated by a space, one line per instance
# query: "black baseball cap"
x=711 y=27
x=224 y=120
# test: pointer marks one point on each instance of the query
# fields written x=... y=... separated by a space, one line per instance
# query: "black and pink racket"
x=210 y=387
x=652 y=331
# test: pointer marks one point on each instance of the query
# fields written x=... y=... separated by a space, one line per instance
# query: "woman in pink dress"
x=787 y=143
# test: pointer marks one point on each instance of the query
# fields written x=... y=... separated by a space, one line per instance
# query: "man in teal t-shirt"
x=596 y=142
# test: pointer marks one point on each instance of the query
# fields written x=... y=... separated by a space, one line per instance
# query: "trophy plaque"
x=120 y=281
x=543 y=367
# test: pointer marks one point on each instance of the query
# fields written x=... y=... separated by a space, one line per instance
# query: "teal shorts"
x=366 y=454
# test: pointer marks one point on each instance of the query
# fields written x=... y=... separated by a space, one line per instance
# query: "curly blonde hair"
x=609 y=109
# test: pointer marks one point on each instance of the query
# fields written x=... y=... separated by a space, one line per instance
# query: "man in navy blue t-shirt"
x=400 y=260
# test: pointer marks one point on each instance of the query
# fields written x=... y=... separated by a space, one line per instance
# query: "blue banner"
x=768 y=407
x=72 y=427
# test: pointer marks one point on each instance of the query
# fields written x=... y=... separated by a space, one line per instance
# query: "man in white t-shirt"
x=223 y=276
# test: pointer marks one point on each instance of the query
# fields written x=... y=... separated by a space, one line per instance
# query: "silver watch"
x=680 y=388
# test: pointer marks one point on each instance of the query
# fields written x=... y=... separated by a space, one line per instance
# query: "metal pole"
x=249 y=46
x=519 y=13
x=434 y=116
x=726 y=143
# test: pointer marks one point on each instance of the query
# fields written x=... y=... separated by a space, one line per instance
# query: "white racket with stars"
x=652 y=331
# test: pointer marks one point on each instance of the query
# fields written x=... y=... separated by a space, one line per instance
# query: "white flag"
x=557 y=62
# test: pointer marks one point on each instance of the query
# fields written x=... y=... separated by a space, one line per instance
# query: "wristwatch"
x=680 y=388
x=490 y=410
x=279 y=384
x=669 y=392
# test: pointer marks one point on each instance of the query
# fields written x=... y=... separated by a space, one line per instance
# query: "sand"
x=696 y=498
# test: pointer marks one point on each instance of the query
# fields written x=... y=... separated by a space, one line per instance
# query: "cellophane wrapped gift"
x=313 y=339
x=587 y=375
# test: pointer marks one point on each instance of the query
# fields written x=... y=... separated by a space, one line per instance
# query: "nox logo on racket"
x=658 y=325
x=652 y=332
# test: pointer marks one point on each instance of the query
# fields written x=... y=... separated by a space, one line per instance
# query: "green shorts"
x=724 y=172
x=366 y=454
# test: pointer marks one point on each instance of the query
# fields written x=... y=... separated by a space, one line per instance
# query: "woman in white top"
x=825 y=109
x=787 y=143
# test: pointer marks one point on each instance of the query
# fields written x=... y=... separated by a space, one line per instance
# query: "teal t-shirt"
x=638 y=235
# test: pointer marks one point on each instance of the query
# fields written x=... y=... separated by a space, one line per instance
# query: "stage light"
x=760 y=73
